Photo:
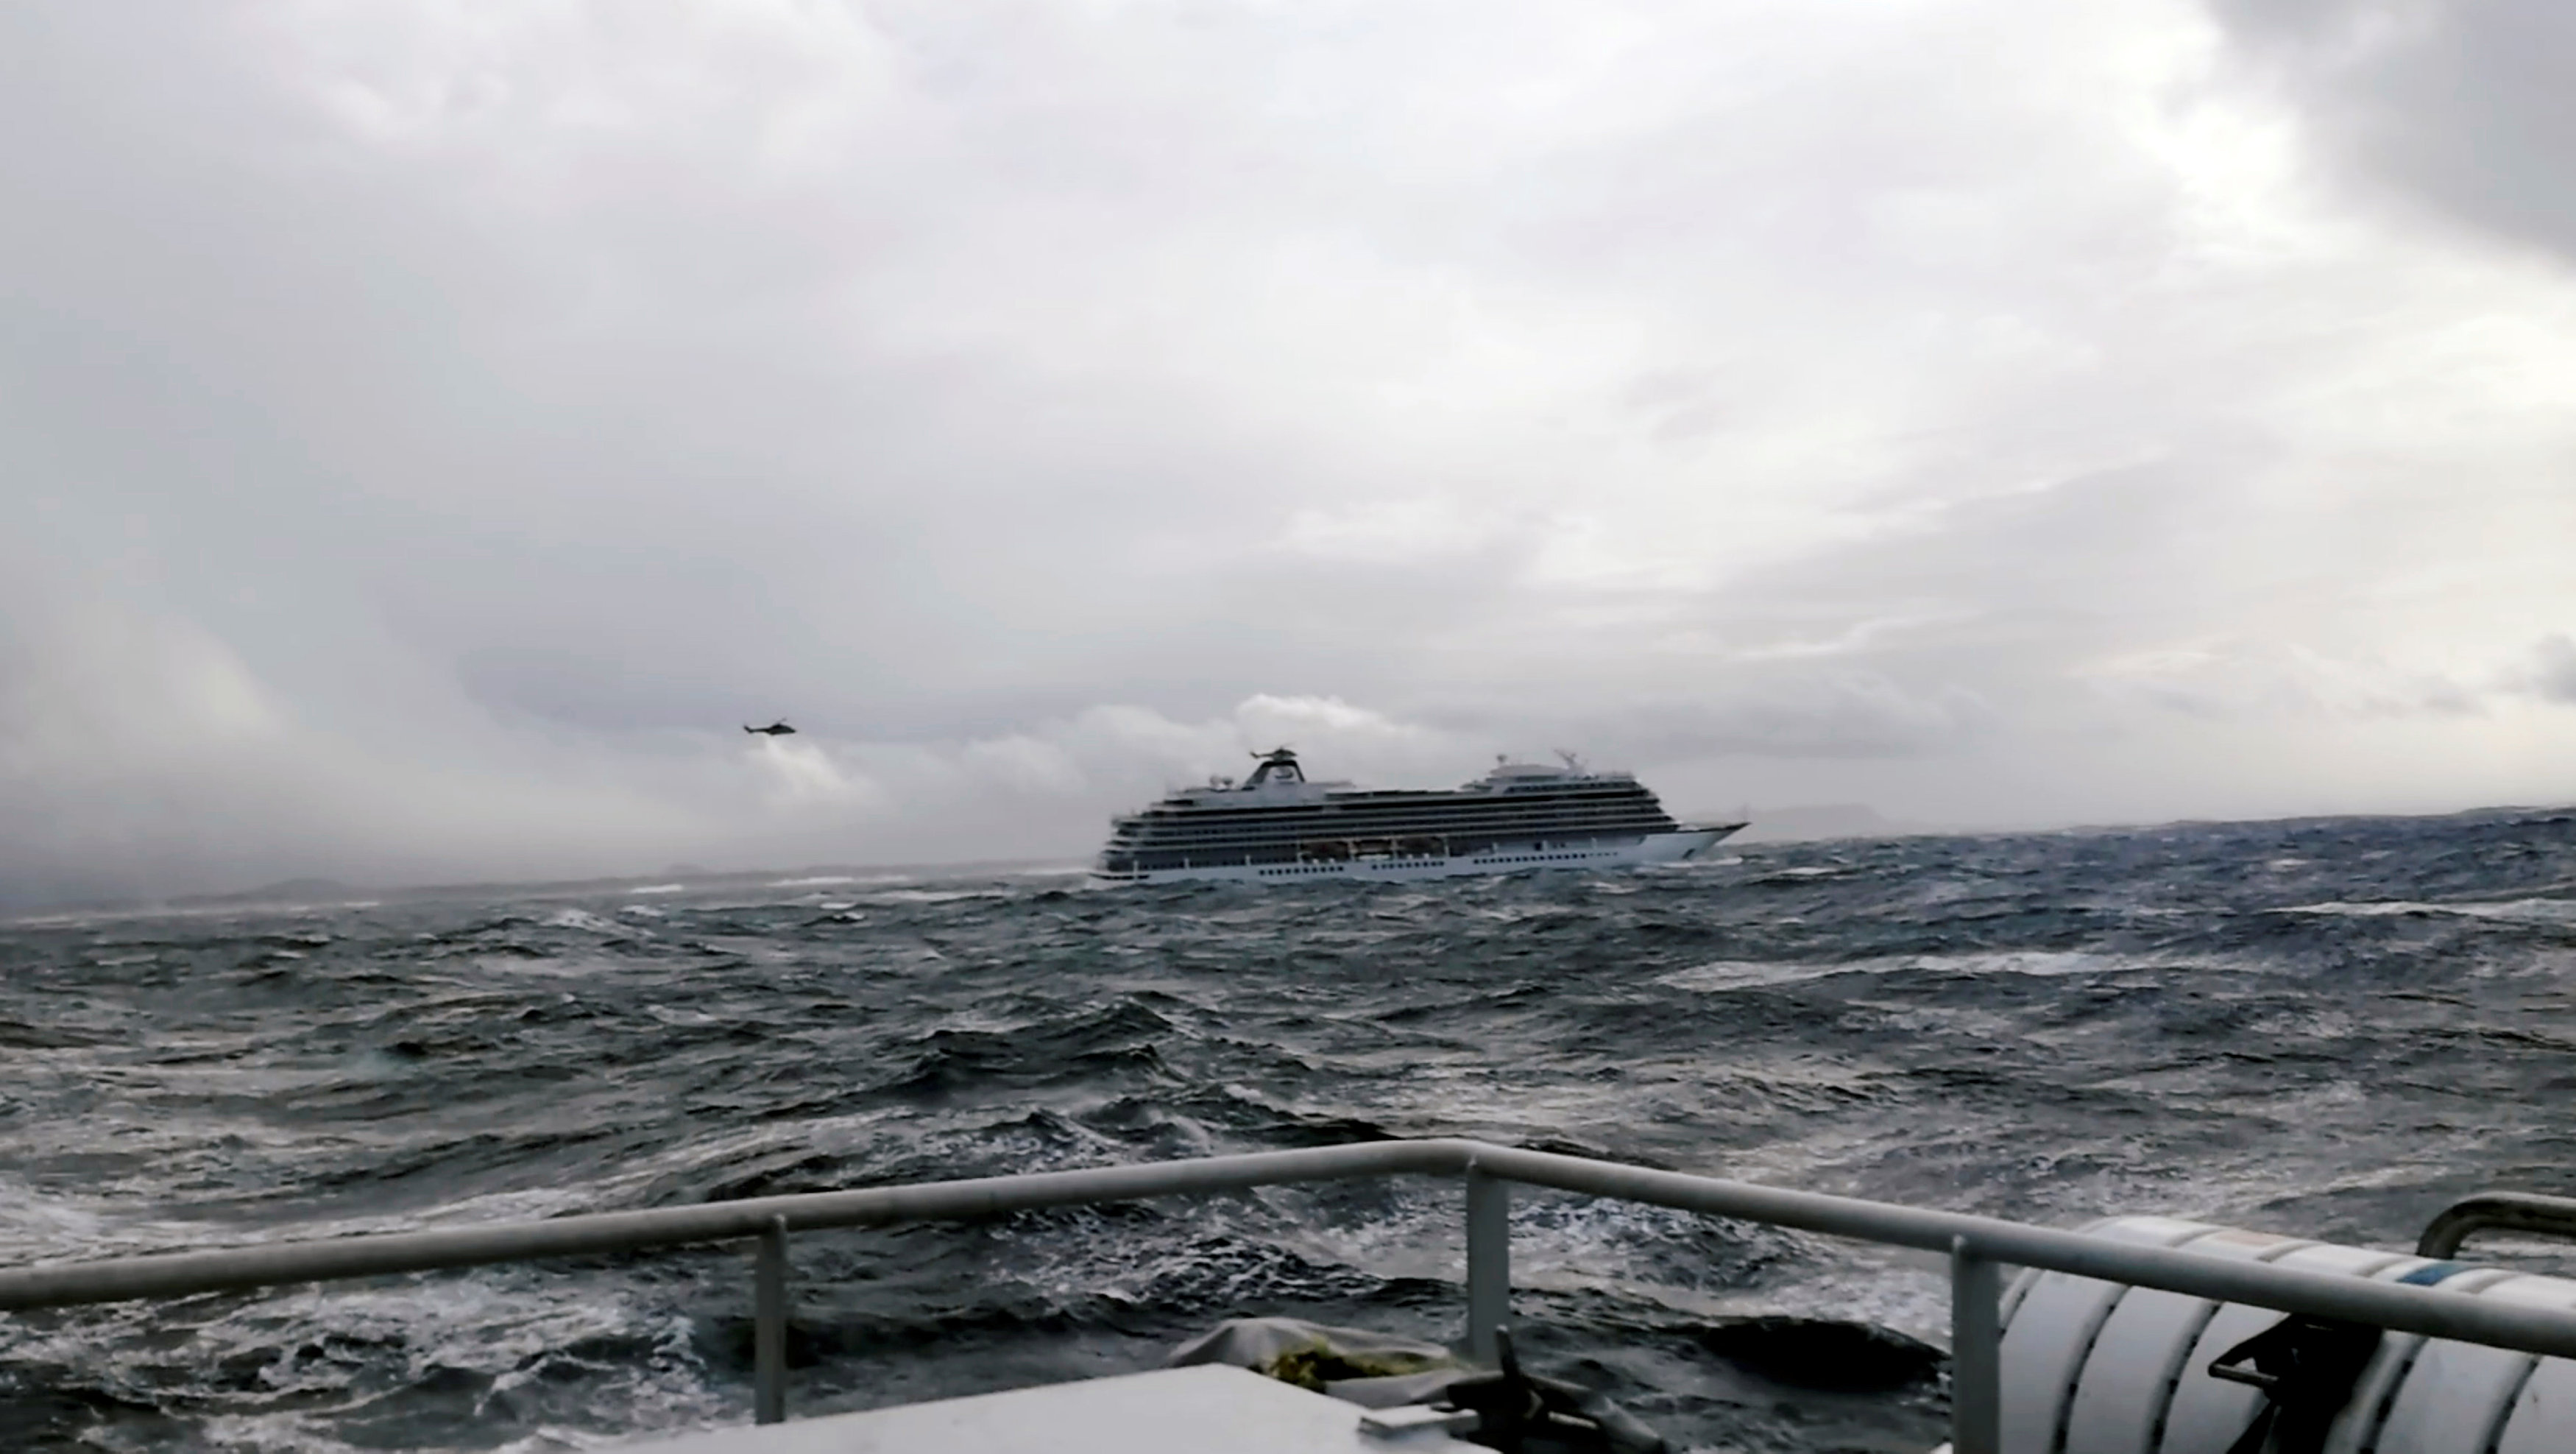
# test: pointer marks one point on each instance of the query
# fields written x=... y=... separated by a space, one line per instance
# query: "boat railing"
x=2497 y=1211
x=1978 y=1249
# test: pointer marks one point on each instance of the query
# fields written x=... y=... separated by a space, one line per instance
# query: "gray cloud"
x=2464 y=106
x=2554 y=669
x=424 y=440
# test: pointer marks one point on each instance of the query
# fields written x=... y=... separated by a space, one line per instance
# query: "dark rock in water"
x=1806 y=1353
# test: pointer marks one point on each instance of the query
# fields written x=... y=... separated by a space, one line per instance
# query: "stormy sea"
x=2323 y=1027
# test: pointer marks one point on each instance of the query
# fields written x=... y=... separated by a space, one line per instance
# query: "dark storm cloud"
x=2466 y=106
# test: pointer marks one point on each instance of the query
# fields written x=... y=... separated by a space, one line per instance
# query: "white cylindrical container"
x=2092 y=1367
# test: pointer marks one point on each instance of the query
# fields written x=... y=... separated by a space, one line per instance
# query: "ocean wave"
x=581 y=919
x=935 y=896
x=1721 y=975
x=2051 y=1026
x=2552 y=912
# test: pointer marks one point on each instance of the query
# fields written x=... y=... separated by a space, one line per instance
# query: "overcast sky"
x=428 y=431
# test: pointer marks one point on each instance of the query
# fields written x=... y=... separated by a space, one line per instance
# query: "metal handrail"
x=1976 y=1246
x=2496 y=1211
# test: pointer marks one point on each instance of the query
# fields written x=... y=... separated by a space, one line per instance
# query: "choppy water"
x=2325 y=1027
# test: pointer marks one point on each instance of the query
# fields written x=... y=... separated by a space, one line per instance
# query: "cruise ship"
x=1276 y=825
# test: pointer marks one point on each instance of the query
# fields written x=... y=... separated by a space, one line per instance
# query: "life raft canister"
x=2092 y=1367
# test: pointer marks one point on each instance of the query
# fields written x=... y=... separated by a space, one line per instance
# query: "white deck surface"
x=1203 y=1410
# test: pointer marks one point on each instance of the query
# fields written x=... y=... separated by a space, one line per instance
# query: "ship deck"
x=1197 y=1410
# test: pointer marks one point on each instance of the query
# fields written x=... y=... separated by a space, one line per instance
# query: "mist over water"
x=2328 y=1027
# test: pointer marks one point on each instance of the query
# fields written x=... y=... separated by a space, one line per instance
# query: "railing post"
x=769 y=1325
x=1976 y=1352
x=1489 y=1262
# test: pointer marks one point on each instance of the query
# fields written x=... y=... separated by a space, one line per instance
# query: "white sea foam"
x=933 y=896
x=1729 y=974
x=2037 y=963
x=497 y=1322
x=847 y=880
x=35 y=1226
x=34 y=1223
x=580 y=919
x=659 y=889
x=2512 y=911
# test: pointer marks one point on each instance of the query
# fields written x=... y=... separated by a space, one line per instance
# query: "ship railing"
x=1977 y=1248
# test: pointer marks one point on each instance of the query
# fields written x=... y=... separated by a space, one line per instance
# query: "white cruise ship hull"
x=1674 y=847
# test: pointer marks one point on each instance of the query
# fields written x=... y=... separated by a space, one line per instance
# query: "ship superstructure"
x=1278 y=825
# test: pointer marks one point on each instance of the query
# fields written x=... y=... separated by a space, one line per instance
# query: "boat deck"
x=1203 y=1410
